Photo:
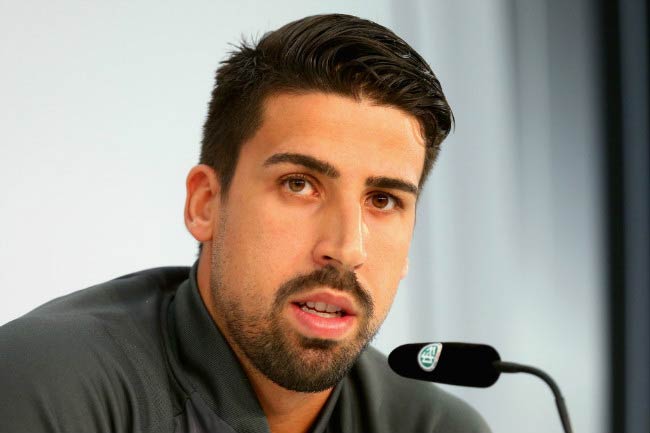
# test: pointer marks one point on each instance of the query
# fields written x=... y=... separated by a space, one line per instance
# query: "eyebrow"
x=329 y=170
x=392 y=183
x=306 y=161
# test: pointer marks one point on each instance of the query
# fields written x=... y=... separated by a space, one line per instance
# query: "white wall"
x=100 y=118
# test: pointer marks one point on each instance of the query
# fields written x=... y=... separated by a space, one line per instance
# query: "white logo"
x=429 y=355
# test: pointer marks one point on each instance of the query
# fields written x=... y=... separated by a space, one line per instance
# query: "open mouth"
x=324 y=315
x=322 y=309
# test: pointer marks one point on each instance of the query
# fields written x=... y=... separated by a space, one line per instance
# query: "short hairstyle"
x=339 y=54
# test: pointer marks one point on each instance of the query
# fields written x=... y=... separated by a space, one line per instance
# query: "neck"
x=286 y=410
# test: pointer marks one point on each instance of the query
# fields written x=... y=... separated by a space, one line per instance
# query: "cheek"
x=387 y=254
x=388 y=249
x=285 y=236
x=266 y=243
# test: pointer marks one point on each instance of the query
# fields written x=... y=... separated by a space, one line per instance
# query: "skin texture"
x=282 y=220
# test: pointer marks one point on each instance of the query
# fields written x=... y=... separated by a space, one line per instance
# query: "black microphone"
x=451 y=363
x=464 y=364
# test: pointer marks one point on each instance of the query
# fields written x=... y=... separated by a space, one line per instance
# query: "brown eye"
x=383 y=201
x=296 y=185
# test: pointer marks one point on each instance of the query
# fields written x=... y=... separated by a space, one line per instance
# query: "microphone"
x=464 y=364
x=451 y=363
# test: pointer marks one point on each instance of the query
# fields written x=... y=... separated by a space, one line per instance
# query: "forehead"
x=350 y=134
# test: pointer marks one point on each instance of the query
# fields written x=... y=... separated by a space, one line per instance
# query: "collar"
x=211 y=369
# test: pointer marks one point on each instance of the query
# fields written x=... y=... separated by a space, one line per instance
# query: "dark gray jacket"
x=141 y=354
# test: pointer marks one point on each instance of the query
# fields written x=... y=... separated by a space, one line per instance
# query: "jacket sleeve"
x=53 y=379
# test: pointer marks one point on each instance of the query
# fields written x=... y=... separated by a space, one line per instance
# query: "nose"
x=342 y=237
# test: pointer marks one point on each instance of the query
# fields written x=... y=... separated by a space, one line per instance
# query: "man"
x=316 y=146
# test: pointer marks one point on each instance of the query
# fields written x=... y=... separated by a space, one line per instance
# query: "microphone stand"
x=511 y=367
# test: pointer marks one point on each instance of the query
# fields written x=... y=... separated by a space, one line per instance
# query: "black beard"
x=293 y=361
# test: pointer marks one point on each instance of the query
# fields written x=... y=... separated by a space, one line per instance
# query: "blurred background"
x=532 y=233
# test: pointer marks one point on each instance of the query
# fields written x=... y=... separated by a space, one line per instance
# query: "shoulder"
x=126 y=294
x=71 y=361
x=401 y=404
x=119 y=311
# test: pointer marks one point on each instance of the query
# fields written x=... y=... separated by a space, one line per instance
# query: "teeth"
x=332 y=308
x=323 y=307
x=320 y=313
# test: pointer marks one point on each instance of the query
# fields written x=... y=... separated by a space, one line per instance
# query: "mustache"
x=329 y=276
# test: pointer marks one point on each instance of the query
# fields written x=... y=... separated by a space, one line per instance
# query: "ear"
x=202 y=202
x=405 y=269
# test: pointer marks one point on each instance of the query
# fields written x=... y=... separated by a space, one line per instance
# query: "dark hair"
x=335 y=53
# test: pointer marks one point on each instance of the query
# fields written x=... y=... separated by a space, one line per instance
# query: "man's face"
x=312 y=241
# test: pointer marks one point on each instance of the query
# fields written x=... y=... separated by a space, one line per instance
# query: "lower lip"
x=315 y=326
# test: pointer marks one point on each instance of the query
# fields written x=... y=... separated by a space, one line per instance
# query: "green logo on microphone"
x=429 y=355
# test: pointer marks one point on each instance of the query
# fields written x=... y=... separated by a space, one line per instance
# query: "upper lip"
x=337 y=299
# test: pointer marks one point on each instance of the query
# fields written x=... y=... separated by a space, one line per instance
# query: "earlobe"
x=201 y=202
x=405 y=269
